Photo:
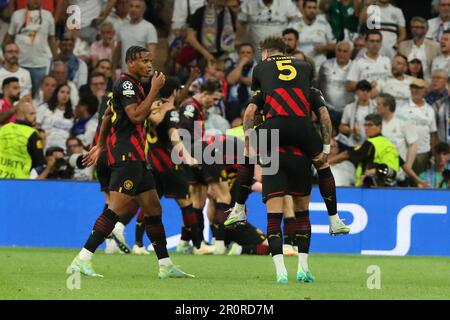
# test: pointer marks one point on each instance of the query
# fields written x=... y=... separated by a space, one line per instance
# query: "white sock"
x=278 y=260
x=220 y=244
x=119 y=227
x=167 y=262
x=239 y=207
x=85 y=255
x=184 y=242
x=334 y=219
x=303 y=261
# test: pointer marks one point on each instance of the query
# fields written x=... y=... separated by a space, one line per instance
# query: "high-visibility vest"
x=385 y=153
x=15 y=161
x=237 y=132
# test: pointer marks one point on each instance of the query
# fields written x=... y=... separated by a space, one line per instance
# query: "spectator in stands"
x=75 y=153
x=343 y=16
x=96 y=86
x=438 y=87
x=292 y=39
x=438 y=175
x=377 y=160
x=359 y=46
x=419 y=112
x=86 y=120
x=441 y=23
x=442 y=61
x=393 y=26
x=419 y=47
x=397 y=85
x=56 y=117
x=92 y=16
x=103 y=48
x=240 y=81
x=60 y=73
x=11 y=68
x=11 y=94
x=136 y=32
x=119 y=15
x=352 y=123
x=211 y=30
x=76 y=67
x=80 y=47
x=401 y=133
x=182 y=11
x=316 y=37
x=60 y=169
x=333 y=80
x=371 y=66
x=209 y=69
x=33 y=30
x=20 y=143
x=48 y=86
x=104 y=67
x=415 y=69
x=258 y=20
x=343 y=172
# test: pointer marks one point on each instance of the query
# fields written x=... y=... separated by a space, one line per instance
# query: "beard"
x=15 y=98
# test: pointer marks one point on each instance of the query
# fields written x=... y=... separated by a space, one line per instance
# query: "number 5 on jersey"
x=286 y=65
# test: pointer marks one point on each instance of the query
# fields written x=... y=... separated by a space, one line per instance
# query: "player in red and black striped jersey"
x=171 y=181
x=131 y=178
x=205 y=178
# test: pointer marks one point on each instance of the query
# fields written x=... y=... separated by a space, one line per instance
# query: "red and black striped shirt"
x=285 y=83
x=191 y=112
x=126 y=141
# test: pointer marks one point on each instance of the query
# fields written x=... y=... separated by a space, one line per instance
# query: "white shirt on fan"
x=399 y=89
x=365 y=68
x=401 y=133
x=424 y=118
x=56 y=126
x=392 y=19
x=24 y=79
x=441 y=62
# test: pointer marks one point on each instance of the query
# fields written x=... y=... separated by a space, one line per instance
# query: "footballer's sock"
x=278 y=260
x=200 y=220
x=219 y=218
x=191 y=224
x=256 y=249
x=140 y=229
x=244 y=180
x=185 y=234
x=289 y=231
x=274 y=233
x=102 y=228
x=327 y=188
x=303 y=238
x=155 y=232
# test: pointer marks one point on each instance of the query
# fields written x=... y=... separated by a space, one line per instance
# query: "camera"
x=76 y=161
x=384 y=176
x=445 y=183
x=62 y=170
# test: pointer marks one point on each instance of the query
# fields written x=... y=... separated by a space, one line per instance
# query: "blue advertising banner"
x=383 y=221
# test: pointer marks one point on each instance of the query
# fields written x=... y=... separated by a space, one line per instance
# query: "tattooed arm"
x=326 y=127
x=249 y=122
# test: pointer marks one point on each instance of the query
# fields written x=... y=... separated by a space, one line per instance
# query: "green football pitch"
x=29 y=273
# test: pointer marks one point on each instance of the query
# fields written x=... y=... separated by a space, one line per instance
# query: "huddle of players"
x=131 y=181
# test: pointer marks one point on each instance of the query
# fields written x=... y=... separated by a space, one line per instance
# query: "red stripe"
x=157 y=164
x=302 y=97
x=281 y=149
x=113 y=138
x=135 y=143
x=165 y=158
x=294 y=106
x=295 y=151
x=276 y=106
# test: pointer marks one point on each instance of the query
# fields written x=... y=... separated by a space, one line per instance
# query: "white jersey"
x=392 y=19
x=401 y=133
x=399 y=89
x=441 y=62
x=365 y=68
x=56 y=126
x=264 y=21
x=181 y=11
x=319 y=32
x=424 y=119
x=436 y=27
x=332 y=82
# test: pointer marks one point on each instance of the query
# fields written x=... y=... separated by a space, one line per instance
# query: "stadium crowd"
x=392 y=59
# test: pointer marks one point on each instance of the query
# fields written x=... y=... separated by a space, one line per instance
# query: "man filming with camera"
x=438 y=175
x=376 y=160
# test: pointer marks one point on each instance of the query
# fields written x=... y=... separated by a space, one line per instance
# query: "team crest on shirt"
x=189 y=111
x=223 y=173
x=128 y=185
x=128 y=89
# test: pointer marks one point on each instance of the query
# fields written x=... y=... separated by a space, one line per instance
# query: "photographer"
x=376 y=160
x=438 y=175
x=57 y=165
x=75 y=152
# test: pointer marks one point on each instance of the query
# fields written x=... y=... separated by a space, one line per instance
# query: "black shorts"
x=294 y=177
x=245 y=235
x=131 y=178
x=172 y=184
x=296 y=132
x=103 y=172
x=206 y=173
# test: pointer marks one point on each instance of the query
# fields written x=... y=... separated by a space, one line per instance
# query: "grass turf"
x=29 y=273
